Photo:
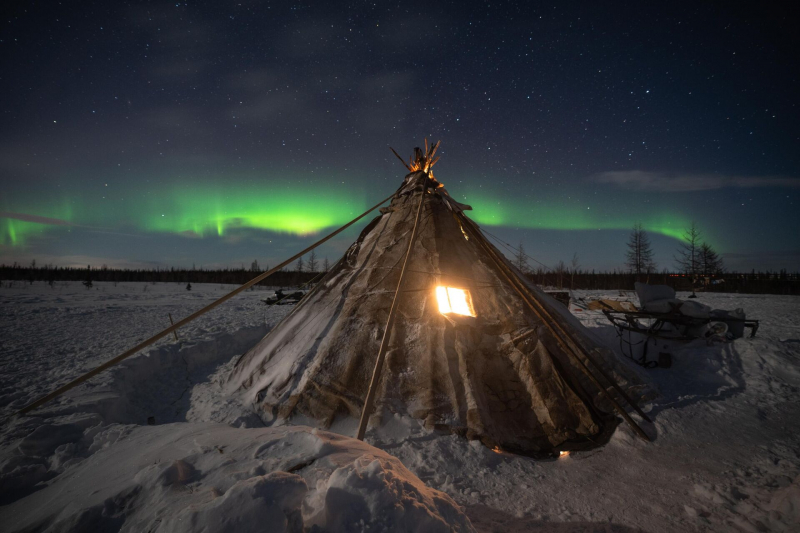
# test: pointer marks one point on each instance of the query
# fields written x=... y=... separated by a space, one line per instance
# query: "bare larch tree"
x=312 y=262
x=575 y=266
x=688 y=258
x=639 y=257
x=521 y=259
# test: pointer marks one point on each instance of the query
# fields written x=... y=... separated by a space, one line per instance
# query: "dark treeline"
x=781 y=282
x=50 y=274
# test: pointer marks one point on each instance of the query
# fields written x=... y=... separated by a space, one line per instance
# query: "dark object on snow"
x=151 y=421
x=281 y=298
x=560 y=296
x=662 y=316
x=664 y=359
x=188 y=286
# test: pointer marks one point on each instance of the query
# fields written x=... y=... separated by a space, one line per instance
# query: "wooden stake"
x=61 y=390
x=401 y=159
x=173 y=323
x=387 y=332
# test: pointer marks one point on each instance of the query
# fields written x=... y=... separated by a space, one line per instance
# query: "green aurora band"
x=15 y=232
x=194 y=210
x=557 y=215
x=205 y=209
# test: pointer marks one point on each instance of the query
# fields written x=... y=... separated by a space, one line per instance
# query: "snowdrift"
x=212 y=477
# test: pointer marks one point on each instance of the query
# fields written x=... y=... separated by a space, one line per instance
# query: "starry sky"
x=211 y=134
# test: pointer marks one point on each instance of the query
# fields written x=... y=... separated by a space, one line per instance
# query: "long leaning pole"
x=61 y=390
x=366 y=411
x=576 y=347
x=568 y=349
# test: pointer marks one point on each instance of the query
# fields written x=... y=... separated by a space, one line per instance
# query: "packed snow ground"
x=725 y=455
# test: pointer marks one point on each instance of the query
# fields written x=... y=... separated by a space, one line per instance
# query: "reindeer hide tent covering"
x=499 y=376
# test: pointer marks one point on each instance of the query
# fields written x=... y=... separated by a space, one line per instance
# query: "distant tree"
x=575 y=266
x=325 y=265
x=689 y=254
x=710 y=261
x=639 y=257
x=560 y=269
x=254 y=265
x=312 y=262
x=301 y=266
x=521 y=259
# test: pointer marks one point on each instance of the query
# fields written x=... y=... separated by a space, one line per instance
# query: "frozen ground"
x=725 y=456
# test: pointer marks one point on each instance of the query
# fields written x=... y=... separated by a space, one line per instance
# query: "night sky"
x=180 y=134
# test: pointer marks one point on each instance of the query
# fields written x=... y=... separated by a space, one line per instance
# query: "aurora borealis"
x=184 y=134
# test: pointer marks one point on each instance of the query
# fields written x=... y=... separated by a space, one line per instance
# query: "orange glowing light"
x=455 y=301
x=563 y=454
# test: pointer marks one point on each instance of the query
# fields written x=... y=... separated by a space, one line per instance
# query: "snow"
x=89 y=461
x=725 y=454
x=212 y=477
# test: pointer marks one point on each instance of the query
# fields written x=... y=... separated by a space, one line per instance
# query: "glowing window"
x=456 y=301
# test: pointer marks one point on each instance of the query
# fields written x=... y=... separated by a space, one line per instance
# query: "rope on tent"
x=61 y=390
x=545 y=274
x=510 y=247
x=570 y=347
x=387 y=331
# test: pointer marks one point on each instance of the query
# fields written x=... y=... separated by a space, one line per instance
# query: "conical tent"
x=467 y=352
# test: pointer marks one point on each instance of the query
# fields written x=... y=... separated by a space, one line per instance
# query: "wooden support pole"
x=387 y=332
x=61 y=390
x=569 y=350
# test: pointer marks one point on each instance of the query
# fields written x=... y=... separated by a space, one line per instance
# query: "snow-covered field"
x=725 y=455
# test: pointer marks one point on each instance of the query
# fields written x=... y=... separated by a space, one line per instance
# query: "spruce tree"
x=710 y=261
